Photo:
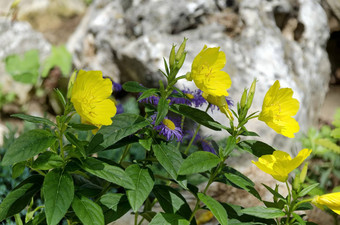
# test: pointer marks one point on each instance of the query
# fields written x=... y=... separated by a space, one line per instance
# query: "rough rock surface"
x=18 y=38
x=131 y=37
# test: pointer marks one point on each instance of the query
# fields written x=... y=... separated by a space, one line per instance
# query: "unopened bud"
x=296 y=183
x=181 y=49
x=181 y=60
x=70 y=83
x=243 y=98
x=251 y=94
x=172 y=57
x=303 y=173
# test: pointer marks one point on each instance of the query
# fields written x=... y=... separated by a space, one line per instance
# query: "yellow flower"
x=90 y=97
x=280 y=164
x=278 y=108
x=221 y=102
x=331 y=200
x=206 y=72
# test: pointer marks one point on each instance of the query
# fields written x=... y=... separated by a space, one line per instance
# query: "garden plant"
x=77 y=183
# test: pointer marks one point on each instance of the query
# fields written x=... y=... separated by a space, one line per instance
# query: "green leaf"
x=82 y=126
x=116 y=206
x=306 y=190
x=198 y=162
x=196 y=115
x=143 y=185
x=28 y=145
x=18 y=169
x=133 y=86
x=148 y=215
x=122 y=126
x=60 y=97
x=146 y=143
x=172 y=201
x=299 y=219
x=162 y=110
x=168 y=219
x=24 y=68
x=274 y=193
x=58 y=190
x=20 y=196
x=256 y=148
x=88 y=212
x=243 y=183
x=231 y=144
x=59 y=57
x=169 y=157
x=335 y=133
x=48 y=160
x=34 y=119
x=263 y=212
x=73 y=140
x=148 y=93
x=108 y=172
x=215 y=207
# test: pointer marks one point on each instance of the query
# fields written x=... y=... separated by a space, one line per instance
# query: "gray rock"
x=131 y=38
x=18 y=38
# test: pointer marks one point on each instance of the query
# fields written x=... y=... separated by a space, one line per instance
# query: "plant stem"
x=125 y=152
x=136 y=218
x=192 y=140
x=289 y=208
x=182 y=125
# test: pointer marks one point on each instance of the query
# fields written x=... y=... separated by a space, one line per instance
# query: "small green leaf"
x=20 y=196
x=88 y=212
x=263 y=212
x=162 y=110
x=169 y=157
x=256 y=148
x=24 y=68
x=143 y=185
x=59 y=57
x=108 y=172
x=306 y=190
x=122 y=126
x=82 y=126
x=243 y=183
x=215 y=207
x=73 y=140
x=18 y=169
x=148 y=93
x=58 y=192
x=274 y=193
x=336 y=133
x=196 y=115
x=172 y=201
x=133 y=86
x=28 y=145
x=168 y=219
x=116 y=206
x=299 y=219
x=146 y=143
x=34 y=119
x=198 y=162
x=48 y=160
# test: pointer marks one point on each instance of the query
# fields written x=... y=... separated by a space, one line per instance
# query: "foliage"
x=134 y=161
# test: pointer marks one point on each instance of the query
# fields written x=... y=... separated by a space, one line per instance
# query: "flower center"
x=169 y=124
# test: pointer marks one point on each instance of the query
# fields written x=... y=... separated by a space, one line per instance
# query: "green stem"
x=299 y=203
x=192 y=140
x=141 y=221
x=136 y=218
x=125 y=152
x=182 y=126
x=289 y=206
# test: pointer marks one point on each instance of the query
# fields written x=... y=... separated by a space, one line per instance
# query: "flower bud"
x=181 y=49
x=172 y=57
x=243 y=98
x=303 y=173
x=181 y=60
x=251 y=94
x=188 y=76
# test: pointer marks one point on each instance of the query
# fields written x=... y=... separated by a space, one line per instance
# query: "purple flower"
x=201 y=143
x=193 y=98
x=120 y=109
x=169 y=128
x=153 y=100
x=116 y=87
